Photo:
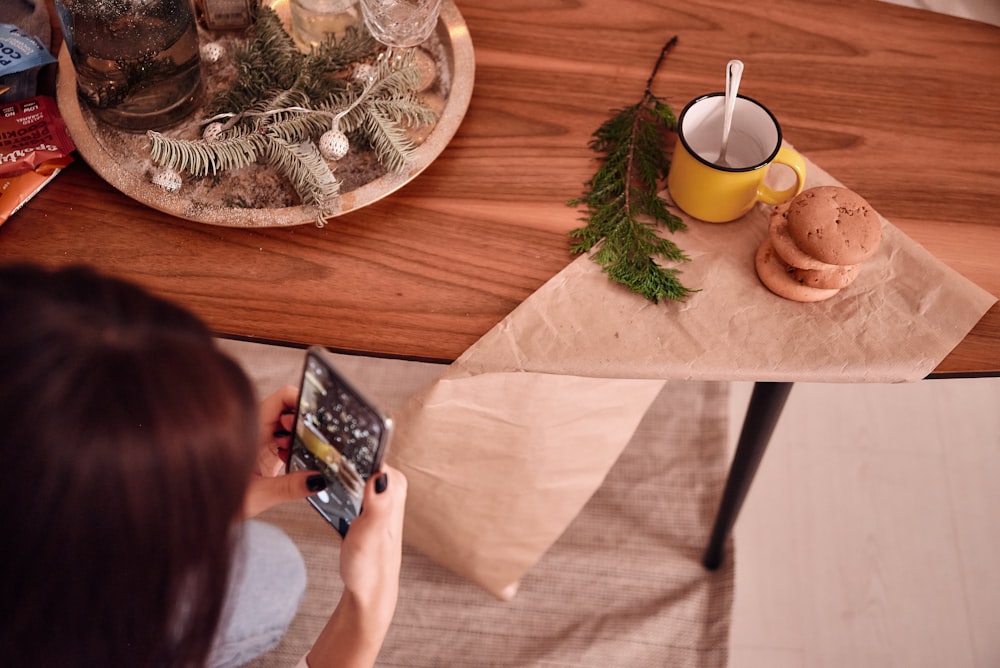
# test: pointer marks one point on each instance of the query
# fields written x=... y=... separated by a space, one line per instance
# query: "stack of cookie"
x=816 y=243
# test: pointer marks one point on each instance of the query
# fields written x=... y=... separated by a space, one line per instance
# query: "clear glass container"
x=316 y=20
x=137 y=62
x=401 y=23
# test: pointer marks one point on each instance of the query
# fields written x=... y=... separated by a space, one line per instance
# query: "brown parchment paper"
x=506 y=447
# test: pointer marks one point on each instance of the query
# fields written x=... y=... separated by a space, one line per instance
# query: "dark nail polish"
x=381 y=483
x=281 y=433
x=316 y=483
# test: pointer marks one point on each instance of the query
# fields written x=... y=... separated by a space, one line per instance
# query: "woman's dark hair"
x=127 y=441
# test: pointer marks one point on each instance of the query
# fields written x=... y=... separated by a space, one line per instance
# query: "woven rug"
x=624 y=584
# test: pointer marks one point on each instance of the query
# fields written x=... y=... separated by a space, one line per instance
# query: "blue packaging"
x=20 y=52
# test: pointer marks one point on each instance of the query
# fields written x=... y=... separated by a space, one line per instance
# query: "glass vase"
x=137 y=62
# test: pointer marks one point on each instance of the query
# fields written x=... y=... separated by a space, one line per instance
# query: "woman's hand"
x=269 y=485
x=370 y=559
x=371 y=555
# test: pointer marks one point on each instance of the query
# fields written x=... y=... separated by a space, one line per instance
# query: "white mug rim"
x=694 y=154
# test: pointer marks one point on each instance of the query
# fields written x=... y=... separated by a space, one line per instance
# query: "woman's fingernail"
x=381 y=483
x=316 y=483
x=281 y=433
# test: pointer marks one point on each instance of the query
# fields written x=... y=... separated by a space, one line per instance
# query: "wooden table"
x=901 y=105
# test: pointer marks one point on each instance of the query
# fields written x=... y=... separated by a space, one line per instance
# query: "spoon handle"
x=734 y=73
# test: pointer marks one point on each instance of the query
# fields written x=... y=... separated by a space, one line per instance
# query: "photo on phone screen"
x=338 y=433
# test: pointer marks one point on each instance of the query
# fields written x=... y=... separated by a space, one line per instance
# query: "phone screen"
x=338 y=433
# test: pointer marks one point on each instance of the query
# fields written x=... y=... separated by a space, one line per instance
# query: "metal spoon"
x=734 y=72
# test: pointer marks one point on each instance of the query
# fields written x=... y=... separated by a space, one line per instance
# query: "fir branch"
x=336 y=53
x=205 y=158
x=623 y=209
x=377 y=110
x=270 y=64
x=283 y=101
x=393 y=147
x=392 y=92
x=299 y=127
x=387 y=106
x=408 y=110
x=309 y=174
x=397 y=75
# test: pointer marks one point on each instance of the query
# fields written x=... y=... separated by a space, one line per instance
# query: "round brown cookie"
x=785 y=247
x=834 y=225
x=838 y=277
x=773 y=273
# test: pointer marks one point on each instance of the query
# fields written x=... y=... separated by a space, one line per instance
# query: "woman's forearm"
x=353 y=635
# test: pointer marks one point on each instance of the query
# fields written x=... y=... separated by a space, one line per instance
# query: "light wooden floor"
x=871 y=535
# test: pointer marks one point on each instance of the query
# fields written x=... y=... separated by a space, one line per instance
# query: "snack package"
x=16 y=191
x=20 y=55
x=20 y=52
x=34 y=147
x=32 y=132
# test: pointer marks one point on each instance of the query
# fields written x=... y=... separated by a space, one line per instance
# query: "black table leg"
x=763 y=412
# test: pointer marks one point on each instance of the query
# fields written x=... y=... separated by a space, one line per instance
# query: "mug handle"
x=790 y=158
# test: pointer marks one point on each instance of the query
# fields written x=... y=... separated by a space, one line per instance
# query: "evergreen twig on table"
x=623 y=209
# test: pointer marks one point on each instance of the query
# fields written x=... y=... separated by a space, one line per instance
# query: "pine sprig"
x=298 y=127
x=391 y=96
x=270 y=64
x=623 y=209
x=392 y=145
x=284 y=101
x=390 y=105
x=206 y=159
x=303 y=165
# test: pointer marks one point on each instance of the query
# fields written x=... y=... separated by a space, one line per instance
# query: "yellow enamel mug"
x=717 y=194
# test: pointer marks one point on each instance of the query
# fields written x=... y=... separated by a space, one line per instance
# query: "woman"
x=133 y=452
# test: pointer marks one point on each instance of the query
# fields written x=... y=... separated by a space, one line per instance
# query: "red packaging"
x=32 y=134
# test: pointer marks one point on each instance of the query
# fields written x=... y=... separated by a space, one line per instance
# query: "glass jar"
x=137 y=62
x=314 y=21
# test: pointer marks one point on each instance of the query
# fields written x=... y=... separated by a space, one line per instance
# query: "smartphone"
x=339 y=433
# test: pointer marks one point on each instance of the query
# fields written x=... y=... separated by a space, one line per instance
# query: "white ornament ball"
x=211 y=131
x=334 y=145
x=363 y=73
x=167 y=179
x=212 y=52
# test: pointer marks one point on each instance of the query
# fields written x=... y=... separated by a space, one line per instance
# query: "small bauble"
x=167 y=179
x=212 y=52
x=333 y=145
x=212 y=131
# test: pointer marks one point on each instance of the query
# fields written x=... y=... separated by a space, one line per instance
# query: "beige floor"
x=871 y=534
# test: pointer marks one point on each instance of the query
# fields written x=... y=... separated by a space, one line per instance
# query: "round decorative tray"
x=256 y=197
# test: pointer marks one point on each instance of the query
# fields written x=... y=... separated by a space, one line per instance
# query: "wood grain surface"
x=899 y=104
